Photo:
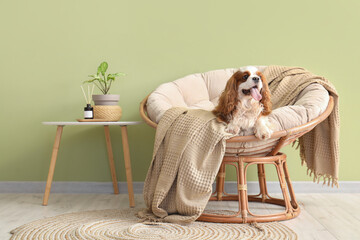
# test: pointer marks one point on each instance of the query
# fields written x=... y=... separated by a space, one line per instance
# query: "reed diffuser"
x=88 y=110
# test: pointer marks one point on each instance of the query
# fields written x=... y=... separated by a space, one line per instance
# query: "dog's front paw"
x=232 y=128
x=263 y=131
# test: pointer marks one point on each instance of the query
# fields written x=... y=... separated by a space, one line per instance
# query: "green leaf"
x=89 y=81
x=102 y=68
x=119 y=74
x=112 y=76
x=95 y=76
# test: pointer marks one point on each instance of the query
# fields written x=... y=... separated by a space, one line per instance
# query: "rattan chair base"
x=244 y=215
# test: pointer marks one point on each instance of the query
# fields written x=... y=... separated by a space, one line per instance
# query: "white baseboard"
x=67 y=187
x=230 y=187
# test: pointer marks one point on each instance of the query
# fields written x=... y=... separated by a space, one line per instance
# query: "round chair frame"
x=241 y=164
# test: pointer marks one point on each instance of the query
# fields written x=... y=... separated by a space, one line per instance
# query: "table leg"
x=111 y=159
x=52 y=164
x=126 y=151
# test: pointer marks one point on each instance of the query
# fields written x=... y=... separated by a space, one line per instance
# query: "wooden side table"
x=125 y=145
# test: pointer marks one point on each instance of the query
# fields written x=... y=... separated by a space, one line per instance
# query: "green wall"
x=49 y=47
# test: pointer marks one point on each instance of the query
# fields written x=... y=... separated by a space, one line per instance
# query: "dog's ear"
x=228 y=99
x=266 y=95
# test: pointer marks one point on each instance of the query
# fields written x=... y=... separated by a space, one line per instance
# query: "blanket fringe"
x=297 y=142
x=148 y=218
x=316 y=175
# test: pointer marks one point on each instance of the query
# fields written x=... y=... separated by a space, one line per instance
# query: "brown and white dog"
x=245 y=104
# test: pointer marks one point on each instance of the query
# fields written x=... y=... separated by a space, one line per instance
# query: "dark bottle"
x=88 y=112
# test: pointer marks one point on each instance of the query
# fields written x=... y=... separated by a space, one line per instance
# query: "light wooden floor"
x=323 y=216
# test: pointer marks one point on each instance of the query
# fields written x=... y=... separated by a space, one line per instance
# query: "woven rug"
x=123 y=224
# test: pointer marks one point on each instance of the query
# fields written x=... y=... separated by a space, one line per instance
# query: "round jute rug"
x=123 y=224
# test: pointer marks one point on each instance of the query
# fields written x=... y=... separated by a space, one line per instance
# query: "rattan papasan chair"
x=313 y=105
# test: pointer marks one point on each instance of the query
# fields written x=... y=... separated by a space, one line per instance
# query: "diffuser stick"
x=92 y=91
x=86 y=100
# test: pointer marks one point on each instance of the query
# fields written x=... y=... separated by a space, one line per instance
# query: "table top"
x=120 y=123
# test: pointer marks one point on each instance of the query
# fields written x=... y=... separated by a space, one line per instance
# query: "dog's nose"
x=256 y=79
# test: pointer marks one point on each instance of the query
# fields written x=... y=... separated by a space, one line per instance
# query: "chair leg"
x=290 y=187
x=262 y=181
x=220 y=180
x=242 y=188
x=281 y=174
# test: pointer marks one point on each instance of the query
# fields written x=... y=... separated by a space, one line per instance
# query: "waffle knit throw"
x=319 y=148
x=179 y=181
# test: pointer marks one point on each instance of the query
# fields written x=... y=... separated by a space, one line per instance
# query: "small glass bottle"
x=88 y=112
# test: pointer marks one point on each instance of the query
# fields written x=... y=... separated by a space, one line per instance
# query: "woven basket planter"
x=107 y=113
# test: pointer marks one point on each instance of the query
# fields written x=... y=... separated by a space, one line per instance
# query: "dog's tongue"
x=255 y=94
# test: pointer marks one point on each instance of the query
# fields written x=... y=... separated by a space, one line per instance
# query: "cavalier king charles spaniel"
x=245 y=104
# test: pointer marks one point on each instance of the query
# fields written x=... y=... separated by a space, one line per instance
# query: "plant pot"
x=107 y=113
x=106 y=100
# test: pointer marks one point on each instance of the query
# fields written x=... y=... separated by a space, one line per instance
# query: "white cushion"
x=200 y=91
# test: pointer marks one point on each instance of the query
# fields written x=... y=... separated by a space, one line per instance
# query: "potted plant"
x=106 y=105
x=103 y=81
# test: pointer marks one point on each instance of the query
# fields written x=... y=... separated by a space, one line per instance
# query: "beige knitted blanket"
x=319 y=148
x=184 y=166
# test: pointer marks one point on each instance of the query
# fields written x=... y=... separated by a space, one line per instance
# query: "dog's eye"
x=245 y=76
